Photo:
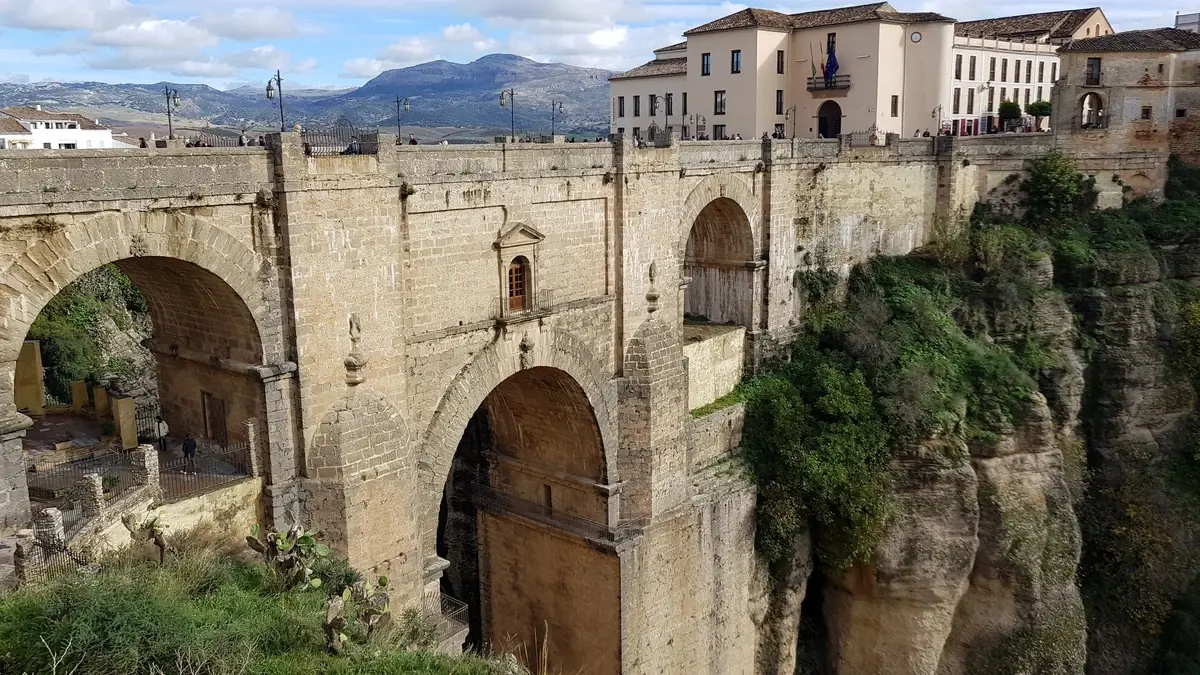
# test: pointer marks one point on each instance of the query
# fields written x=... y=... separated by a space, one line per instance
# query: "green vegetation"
x=1039 y=110
x=1009 y=111
x=67 y=326
x=203 y=613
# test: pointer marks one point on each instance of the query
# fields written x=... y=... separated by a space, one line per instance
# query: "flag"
x=812 y=62
x=832 y=67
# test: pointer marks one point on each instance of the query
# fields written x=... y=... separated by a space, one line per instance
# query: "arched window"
x=518 y=284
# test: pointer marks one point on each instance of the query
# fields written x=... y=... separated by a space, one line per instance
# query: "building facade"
x=1133 y=89
x=759 y=71
x=24 y=128
x=1188 y=22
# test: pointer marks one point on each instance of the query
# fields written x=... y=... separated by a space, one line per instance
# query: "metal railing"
x=836 y=82
x=145 y=418
x=1091 y=79
x=57 y=389
x=212 y=467
x=489 y=498
x=57 y=559
x=341 y=139
x=61 y=481
x=870 y=136
x=448 y=615
x=210 y=140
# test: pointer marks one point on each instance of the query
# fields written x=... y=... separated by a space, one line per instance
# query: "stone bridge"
x=473 y=367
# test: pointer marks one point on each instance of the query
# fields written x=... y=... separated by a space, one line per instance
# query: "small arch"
x=829 y=120
x=520 y=283
x=1091 y=113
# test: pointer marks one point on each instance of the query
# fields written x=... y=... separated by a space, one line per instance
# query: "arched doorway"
x=1091 y=112
x=523 y=525
x=829 y=120
x=719 y=263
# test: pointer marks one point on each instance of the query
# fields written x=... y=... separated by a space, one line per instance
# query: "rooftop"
x=656 y=68
x=765 y=18
x=1152 y=40
x=678 y=46
x=10 y=125
x=1061 y=24
x=25 y=113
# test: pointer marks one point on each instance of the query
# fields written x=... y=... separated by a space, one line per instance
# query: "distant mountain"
x=440 y=94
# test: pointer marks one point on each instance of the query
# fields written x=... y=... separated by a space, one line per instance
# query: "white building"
x=23 y=128
x=1012 y=58
x=1188 y=21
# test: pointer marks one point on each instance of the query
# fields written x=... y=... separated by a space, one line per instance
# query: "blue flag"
x=831 y=64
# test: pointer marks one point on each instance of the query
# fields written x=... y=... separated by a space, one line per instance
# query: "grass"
x=197 y=613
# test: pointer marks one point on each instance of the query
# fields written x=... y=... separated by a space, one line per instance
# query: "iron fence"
x=61 y=481
x=342 y=138
x=489 y=498
x=145 y=418
x=210 y=140
x=57 y=559
x=57 y=389
x=871 y=136
x=837 y=82
x=213 y=466
x=448 y=615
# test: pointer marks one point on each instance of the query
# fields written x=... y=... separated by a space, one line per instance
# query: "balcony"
x=1091 y=79
x=836 y=83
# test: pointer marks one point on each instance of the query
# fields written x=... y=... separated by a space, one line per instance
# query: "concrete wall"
x=715 y=360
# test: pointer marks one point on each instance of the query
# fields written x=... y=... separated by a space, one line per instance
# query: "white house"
x=23 y=128
x=1188 y=21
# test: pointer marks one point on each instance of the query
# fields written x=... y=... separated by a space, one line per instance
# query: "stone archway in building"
x=200 y=286
x=829 y=120
x=1092 y=114
x=719 y=263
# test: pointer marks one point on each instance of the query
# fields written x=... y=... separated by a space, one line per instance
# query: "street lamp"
x=694 y=120
x=511 y=95
x=276 y=84
x=791 y=115
x=172 y=104
x=556 y=107
x=937 y=115
x=400 y=102
x=667 y=99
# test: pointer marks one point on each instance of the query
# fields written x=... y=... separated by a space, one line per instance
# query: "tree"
x=1038 y=109
x=1009 y=111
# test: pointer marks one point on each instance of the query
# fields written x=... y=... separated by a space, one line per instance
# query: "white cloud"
x=67 y=14
x=464 y=32
x=14 y=78
x=362 y=68
x=160 y=33
x=245 y=23
x=407 y=51
x=486 y=45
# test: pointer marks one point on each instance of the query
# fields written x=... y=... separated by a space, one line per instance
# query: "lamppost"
x=273 y=84
x=667 y=99
x=172 y=104
x=937 y=115
x=791 y=115
x=556 y=107
x=694 y=120
x=511 y=95
x=400 y=102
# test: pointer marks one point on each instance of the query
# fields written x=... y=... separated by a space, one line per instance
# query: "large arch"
x=719 y=261
x=212 y=321
x=524 y=519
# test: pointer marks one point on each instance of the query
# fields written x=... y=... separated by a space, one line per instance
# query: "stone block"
x=124 y=411
x=79 y=396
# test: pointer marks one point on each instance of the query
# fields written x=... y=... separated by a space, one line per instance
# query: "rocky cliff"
x=1055 y=536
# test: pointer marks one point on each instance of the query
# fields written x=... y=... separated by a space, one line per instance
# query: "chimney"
x=38 y=107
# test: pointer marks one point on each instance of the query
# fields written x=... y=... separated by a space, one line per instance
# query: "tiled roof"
x=678 y=46
x=914 y=17
x=1061 y=24
x=10 y=125
x=747 y=18
x=1153 y=40
x=26 y=113
x=656 y=68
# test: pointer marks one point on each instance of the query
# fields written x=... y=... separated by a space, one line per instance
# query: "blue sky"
x=342 y=43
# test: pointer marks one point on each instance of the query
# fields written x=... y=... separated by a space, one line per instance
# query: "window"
x=958 y=66
x=1028 y=72
x=685 y=103
x=621 y=130
x=620 y=106
x=1027 y=97
x=547 y=497
x=637 y=106
x=670 y=104
x=735 y=61
x=66 y=146
x=971 y=70
x=779 y=133
x=992 y=69
x=1053 y=72
x=1041 y=71
x=971 y=101
x=1092 y=74
x=831 y=43
x=1097 y=29
x=1039 y=93
x=518 y=281
x=1147 y=112
x=895 y=105
x=637 y=132
x=718 y=132
x=58 y=125
x=1003 y=71
x=719 y=102
x=1181 y=112
x=46 y=146
x=1160 y=69
x=71 y=125
x=778 y=101
x=653 y=105
x=1088 y=31
x=1003 y=94
x=706 y=64
x=779 y=61
x=991 y=100
x=1016 y=70
x=957 y=96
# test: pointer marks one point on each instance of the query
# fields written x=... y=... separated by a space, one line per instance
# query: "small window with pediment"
x=518 y=284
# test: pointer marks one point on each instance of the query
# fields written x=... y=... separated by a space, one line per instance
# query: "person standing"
x=162 y=429
x=189 y=453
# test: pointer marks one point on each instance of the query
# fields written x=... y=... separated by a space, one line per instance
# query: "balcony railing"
x=1091 y=79
x=837 y=82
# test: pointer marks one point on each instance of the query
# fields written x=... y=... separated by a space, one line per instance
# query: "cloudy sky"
x=345 y=42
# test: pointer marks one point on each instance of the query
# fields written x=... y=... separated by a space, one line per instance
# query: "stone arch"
x=1092 y=110
x=710 y=189
x=1140 y=185
x=829 y=120
x=719 y=259
x=547 y=347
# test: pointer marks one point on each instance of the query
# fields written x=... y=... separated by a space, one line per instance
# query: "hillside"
x=441 y=94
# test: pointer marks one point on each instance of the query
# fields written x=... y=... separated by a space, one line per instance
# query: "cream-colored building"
x=1011 y=58
x=759 y=71
x=1189 y=22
